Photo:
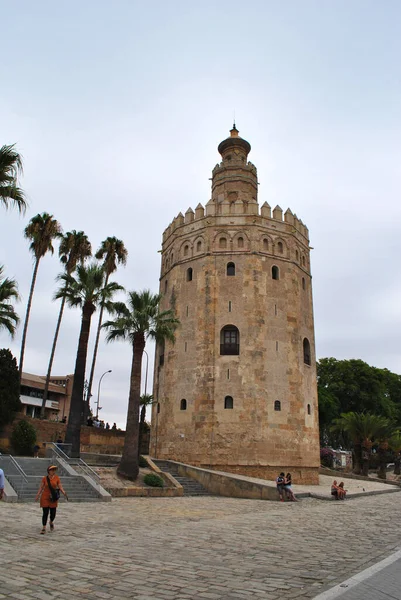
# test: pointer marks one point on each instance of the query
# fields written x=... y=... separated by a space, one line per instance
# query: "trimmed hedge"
x=153 y=480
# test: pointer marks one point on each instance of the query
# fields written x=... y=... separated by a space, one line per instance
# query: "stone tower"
x=237 y=391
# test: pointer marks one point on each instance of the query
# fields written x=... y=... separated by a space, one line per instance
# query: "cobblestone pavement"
x=185 y=548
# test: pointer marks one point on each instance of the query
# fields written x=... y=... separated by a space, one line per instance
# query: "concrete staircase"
x=191 y=486
x=77 y=487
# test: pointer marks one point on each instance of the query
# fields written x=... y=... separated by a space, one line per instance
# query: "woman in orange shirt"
x=49 y=492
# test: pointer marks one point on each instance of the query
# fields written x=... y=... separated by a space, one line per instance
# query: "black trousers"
x=45 y=515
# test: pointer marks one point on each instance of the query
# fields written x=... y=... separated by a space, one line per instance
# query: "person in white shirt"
x=1 y=484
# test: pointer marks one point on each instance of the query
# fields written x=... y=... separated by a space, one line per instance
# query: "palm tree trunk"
x=95 y=349
x=28 y=311
x=128 y=466
x=49 y=369
x=141 y=427
x=73 y=433
x=357 y=459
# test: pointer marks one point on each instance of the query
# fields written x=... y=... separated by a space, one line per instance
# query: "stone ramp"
x=27 y=482
x=190 y=486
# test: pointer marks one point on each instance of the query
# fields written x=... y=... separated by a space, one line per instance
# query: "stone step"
x=190 y=486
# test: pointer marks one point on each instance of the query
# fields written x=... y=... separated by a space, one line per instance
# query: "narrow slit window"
x=275 y=272
x=277 y=405
x=275 y=310
x=228 y=402
x=276 y=346
x=229 y=306
x=309 y=409
x=165 y=286
x=183 y=404
x=306 y=348
x=228 y=373
x=296 y=255
x=158 y=407
x=187 y=310
x=189 y=274
x=185 y=346
x=303 y=283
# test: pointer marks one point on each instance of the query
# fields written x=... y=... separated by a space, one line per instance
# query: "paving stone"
x=193 y=547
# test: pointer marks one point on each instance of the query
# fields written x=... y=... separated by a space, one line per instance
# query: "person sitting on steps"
x=341 y=491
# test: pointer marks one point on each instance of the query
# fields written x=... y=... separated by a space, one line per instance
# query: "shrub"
x=143 y=463
x=23 y=438
x=153 y=480
x=326 y=457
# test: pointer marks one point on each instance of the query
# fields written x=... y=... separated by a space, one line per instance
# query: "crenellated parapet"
x=239 y=209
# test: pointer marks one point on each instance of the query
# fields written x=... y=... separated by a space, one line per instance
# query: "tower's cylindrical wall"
x=269 y=301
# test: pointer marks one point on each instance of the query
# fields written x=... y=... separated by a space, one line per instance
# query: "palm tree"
x=395 y=446
x=10 y=168
x=136 y=321
x=41 y=230
x=8 y=291
x=74 y=248
x=113 y=253
x=362 y=429
x=87 y=291
x=145 y=400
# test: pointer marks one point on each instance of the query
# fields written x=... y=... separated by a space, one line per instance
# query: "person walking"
x=1 y=484
x=49 y=493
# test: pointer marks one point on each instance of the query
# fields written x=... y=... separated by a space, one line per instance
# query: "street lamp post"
x=98 y=394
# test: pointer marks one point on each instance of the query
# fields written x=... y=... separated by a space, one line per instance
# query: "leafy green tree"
x=362 y=429
x=23 y=438
x=136 y=321
x=74 y=248
x=10 y=402
x=41 y=230
x=354 y=386
x=10 y=169
x=86 y=291
x=8 y=292
x=112 y=253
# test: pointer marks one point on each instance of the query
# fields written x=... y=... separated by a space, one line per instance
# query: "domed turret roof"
x=234 y=141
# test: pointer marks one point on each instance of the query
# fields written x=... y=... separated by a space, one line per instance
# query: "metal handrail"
x=73 y=461
x=20 y=469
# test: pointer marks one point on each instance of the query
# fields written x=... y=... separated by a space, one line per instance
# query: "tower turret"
x=234 y=179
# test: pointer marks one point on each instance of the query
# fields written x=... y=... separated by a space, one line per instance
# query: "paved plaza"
x=185 y=548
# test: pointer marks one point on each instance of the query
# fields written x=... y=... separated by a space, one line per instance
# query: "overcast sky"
x=118 y=108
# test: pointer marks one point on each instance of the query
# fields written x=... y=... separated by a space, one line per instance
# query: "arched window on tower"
x=280 y=247
x=223 y=243
x=307 y=357
x=228 y=402
x=229 y=340
x=230 y=269
x=199 y=246
x=296 y=255
x=189 y=274
x=303 y=261
x=265 y=244
x=277 y=405
x=183 y=404
x=240 y=242
x=186 y=250
x=275 y=272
